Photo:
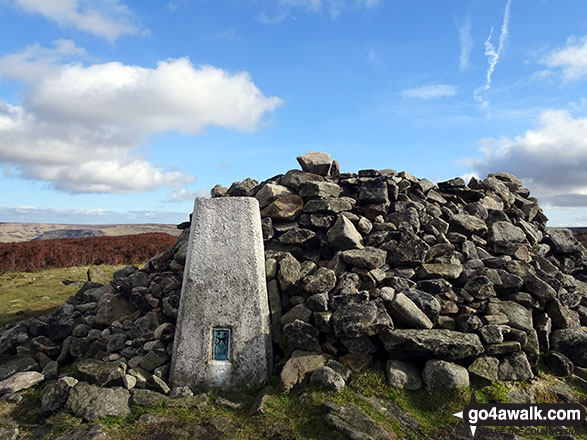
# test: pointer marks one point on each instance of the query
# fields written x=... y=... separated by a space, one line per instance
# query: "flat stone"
x=20 y=381
x=224 y=287
x=329 y=205
x=439 y=270
x=407 y=344
x=315 y=162
x=468 y=224
x=368 y=257
x=90 y=402
x=146 y=398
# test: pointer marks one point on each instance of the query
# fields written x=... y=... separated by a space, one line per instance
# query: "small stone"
x=328 y=378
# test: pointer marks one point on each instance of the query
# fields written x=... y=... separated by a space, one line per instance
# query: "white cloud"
x=104 y=18
x=432 y=91
x=57 y=137
x=572 y=59
x=183 y=195
x=493 y=55
x=466 y=42
x=551 y=159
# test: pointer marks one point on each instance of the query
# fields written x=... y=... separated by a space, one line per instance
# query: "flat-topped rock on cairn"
x=457 y=279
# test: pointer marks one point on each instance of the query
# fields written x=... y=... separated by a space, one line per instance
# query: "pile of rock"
x=446 y=283
x=440 y=284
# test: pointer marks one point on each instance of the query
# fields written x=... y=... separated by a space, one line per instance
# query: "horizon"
x=113 y=112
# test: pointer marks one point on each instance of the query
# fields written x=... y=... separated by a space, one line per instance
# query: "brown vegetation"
x=125 y=249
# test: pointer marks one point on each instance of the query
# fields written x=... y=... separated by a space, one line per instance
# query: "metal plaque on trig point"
x=221 y=344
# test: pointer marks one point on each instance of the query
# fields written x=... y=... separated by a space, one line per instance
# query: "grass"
x=24 y=295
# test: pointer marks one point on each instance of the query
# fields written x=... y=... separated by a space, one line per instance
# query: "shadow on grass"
x=9 y=318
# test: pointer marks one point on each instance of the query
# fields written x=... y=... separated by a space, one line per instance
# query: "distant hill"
x=581 y=235
x=19 y=232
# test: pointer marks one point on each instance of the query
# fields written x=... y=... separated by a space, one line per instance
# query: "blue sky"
x=117 y=111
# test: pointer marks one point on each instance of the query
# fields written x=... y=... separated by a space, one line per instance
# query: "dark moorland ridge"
x=440 y=285
x=30 y=256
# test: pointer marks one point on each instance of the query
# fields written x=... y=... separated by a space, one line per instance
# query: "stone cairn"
x=441 y=285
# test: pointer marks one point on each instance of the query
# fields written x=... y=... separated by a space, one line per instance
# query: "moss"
x=497 y=392
x=61 y=423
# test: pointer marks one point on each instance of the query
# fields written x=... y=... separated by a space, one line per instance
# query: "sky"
x=120 y=111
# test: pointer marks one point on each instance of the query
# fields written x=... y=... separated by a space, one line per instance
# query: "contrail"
x=493 y=56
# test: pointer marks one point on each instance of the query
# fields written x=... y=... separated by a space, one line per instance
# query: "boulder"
x=285 y=208
x=440 y=375
x=328 y=378
x=315 y=162
x=572 y=343
x=357 y=320
x=100 y=373
x=368 y=257
x=90 y=402
x=484 y=371
x=404 y=310
x=515 y=366
x=56 y=394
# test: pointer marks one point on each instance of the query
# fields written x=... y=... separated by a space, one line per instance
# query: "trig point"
x=222 y=338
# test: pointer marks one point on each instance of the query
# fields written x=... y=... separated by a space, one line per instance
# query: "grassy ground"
x=24 y=295
x=298 y=414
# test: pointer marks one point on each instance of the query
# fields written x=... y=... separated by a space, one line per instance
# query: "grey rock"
x=439 y=270
x=20 y=381
x=402 y=374
x=301 y=336
x=503 y=348
x=502 y=232
x=352 y=422
x=468 y=224
x=515 y=366
x=157 y=384
x=368 y=257
x=329 y=205
x=410 y=250
x=572 y=343
x=328 y=378
x=319 y=189
x=321 y=281
x=562 y=241
x=518 y=316
x=357 y=320
x=561 y=316
x=244 y=188
x=404 y=310
x=146 y=398
x=315 y=162
x=90 y=402
x=484 y=371
x=425 y=302
x=558 y=363
x=449 y=345
x=85 y=432
x=112 y=308
x=343 y=235
x=299 y=367
x=153 y=360
x=16 y=365
x=55 y=395
x=440 y=375
x=541 y=289
x=100 y=373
